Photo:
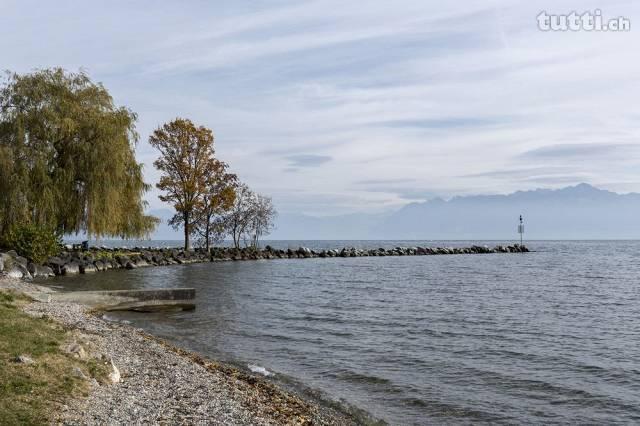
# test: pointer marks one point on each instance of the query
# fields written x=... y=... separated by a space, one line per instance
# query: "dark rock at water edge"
x=39 y=270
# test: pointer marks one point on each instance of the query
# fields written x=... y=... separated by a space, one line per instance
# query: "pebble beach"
x=163 y=384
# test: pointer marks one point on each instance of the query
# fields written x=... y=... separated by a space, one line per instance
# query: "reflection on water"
x=550 y=336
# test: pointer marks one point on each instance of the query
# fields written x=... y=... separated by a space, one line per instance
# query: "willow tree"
x=67 y=157
x=187 y=163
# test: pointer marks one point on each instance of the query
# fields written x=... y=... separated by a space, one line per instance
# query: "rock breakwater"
x=73 y=261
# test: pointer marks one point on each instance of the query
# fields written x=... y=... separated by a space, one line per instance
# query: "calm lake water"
x=546 y=337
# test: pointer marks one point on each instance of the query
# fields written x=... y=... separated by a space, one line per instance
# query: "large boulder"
x=31 y=267
x=123 y=261
x=56 y=264
x=71 y=268
x=39 y=270
x=86 y=268
x=15 y=272
x=45 y=271
x=304 y=252
x=21 y=261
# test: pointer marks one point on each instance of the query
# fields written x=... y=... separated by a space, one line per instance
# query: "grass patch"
x=29 y=393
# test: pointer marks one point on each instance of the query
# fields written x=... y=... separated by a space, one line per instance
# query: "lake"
x=549 y=336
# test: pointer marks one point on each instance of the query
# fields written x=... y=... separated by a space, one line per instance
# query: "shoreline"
x=162 y=383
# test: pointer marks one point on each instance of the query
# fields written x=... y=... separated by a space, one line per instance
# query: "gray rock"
x=76 y=351
x=71 y=268
x=123 y=260
x=15 y=272
x=77 y=372
x=44 y=270
x=39 y=270
x=21 y=261
x=56 y=264
x=86 y=268
x=24 y=359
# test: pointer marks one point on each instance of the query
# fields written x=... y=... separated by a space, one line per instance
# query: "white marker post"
x=521 y=229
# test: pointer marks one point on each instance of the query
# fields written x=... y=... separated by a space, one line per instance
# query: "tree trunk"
x=185 y=216
x=236 y=238
x=206 y=236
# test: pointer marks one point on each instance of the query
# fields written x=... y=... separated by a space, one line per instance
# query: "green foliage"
x=67 y=157
x=33 y=242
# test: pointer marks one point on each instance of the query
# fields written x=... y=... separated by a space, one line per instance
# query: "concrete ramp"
x=165 y=299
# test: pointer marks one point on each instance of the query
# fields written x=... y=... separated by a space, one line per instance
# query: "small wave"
x=259 y=370
x=109 y=318
x=442 y=409
x=352 y=376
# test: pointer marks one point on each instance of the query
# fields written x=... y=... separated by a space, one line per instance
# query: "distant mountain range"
x=575 y=212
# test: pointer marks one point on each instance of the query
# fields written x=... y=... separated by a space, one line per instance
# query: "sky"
x=334 y=107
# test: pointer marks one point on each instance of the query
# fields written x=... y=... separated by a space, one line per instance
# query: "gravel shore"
x=162 y=384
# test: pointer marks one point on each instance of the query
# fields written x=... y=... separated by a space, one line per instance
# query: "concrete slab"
x=151 y=300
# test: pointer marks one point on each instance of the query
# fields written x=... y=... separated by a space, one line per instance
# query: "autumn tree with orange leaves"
x=218 y=198
x=191 y=174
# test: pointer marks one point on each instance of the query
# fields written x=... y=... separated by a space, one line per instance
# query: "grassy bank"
x=31 y=391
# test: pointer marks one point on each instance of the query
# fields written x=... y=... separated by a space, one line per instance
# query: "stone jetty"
x=73 y=260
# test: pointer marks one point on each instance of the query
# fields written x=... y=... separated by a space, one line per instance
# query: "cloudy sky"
x=333 y=107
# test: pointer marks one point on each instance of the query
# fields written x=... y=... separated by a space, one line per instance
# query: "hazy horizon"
x=580 y=212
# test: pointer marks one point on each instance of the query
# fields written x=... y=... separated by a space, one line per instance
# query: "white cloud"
x=448 y=95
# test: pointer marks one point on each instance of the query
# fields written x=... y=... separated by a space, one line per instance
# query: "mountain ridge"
x=580 y=211
x=574 y=212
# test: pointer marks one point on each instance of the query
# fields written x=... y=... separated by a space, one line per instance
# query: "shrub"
x=35 y=243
